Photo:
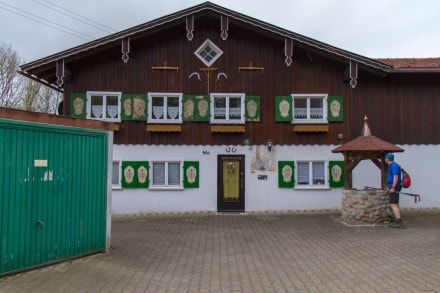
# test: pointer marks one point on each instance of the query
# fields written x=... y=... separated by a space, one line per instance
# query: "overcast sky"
x=374 y=29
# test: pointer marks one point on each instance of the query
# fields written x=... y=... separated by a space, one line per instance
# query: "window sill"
x=105 y=120
x=227 y=128
x=163 y=128
x=315 y=187
x=166 y=188
x=310 y=128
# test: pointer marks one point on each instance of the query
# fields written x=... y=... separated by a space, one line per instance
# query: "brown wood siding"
x=402 y=108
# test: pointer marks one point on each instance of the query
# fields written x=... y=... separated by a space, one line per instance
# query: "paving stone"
x=287 y=251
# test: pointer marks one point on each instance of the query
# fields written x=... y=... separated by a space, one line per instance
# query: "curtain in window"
x=115 y=173
x=112 y=107
x=97 y=106
x=303 y=173
x=158 y=173
x=173 y=174
x=318 y=173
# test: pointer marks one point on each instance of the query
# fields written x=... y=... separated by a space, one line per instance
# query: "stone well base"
x=368 y=206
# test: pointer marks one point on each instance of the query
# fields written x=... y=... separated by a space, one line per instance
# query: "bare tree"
x=39 y=98
x=11 y=83
x=19 y=92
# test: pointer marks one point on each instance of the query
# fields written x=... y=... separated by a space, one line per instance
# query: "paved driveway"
x=252 y=252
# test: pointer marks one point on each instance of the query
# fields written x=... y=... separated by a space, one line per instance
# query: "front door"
x=230 y=183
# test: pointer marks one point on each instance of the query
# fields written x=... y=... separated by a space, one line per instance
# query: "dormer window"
x=208 y=53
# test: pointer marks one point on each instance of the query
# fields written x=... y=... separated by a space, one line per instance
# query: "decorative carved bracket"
x=351 y=73
x=60 y=72
x=125 y=49
x=224 y=26
x=288 y=51
x=190 y=27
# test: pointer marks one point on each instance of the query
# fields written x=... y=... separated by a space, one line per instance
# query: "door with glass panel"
x=230 y=183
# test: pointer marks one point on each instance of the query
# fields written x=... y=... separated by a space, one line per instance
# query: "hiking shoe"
x=397 y=224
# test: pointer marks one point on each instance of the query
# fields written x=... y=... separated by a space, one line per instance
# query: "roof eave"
x=198 y=8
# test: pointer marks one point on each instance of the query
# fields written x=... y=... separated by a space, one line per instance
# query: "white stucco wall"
x=263 y=195
x=421 y=162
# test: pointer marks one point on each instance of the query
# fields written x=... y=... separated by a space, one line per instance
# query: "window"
x=311 y=174
x=165 y=107
x=227 y=108
x=309 y=108
x=208 y=53
x=116 y=174
x=167 y=174
x=104 y=106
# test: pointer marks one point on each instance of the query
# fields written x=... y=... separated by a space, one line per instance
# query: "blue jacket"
x=394 y=169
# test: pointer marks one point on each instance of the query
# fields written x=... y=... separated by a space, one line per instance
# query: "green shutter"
x=335 y=108
x=126 y=107
x=189 y=108
x=283 y=109
x=129 y=177
x=78 y=102
x=202 y=108
x=336 y=173
x=286 y=174
x=252 y=108
x=134 y=107
x=196 y=108
x=134 y=174
x=142 y=174
x=191 y=174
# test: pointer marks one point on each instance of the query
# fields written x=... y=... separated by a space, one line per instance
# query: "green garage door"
x=53 y=186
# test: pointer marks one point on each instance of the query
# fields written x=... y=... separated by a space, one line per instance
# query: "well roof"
x=367 y=142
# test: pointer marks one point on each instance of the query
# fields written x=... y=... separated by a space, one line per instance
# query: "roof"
x=367 y=142
x=199 y=10
x=413 y=64
x=40 y=69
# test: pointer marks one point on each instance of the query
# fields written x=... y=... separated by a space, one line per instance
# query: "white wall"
x=261 y=195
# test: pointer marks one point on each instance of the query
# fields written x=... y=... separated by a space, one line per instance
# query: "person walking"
x=394 y=183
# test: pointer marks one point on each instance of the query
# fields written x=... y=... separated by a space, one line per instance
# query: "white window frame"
x=310 y=185
x=202 y=47
x=118 y=185
x=104 y=105
x=165 y=96
x=227 y=120
x=309 y=119
x=166 y=186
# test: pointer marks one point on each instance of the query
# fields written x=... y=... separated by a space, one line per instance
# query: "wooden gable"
x=258 y=60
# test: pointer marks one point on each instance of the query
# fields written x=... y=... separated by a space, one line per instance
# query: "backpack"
x=406 y=179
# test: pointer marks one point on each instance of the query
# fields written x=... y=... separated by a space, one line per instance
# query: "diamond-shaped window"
x=208 y=52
